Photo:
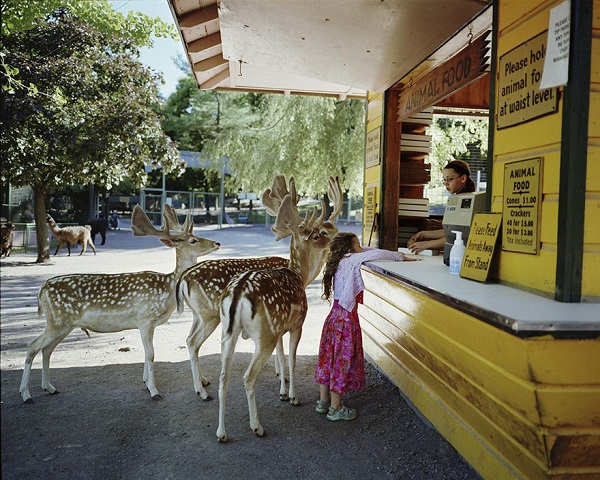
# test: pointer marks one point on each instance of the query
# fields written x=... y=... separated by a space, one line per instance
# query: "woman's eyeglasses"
x=448 y=180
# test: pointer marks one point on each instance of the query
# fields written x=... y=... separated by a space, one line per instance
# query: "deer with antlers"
x=116 y=302
x=201 y=285
x=266 y=304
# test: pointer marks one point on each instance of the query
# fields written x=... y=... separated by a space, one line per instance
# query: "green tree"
x=264 y=135
x=310 y=138
x=453 y=139
x=19 y=16
x=95 y=121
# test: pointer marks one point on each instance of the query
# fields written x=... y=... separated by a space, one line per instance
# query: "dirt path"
x=103 y=424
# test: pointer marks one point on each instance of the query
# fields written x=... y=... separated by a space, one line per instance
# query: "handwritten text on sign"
x=519 y=73
x=480 y=247
x=521 y=206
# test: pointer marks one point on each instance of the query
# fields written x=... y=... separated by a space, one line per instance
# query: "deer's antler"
x=273 y=197
x=336 y=196
x=284 y=207
x=141 y=225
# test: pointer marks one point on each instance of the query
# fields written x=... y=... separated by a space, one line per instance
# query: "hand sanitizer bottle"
x=456 y=253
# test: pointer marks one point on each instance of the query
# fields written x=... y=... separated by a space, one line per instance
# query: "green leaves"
x=89 y=112
x=264 y=135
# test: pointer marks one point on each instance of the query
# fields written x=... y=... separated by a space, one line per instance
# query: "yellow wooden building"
x=507 y=369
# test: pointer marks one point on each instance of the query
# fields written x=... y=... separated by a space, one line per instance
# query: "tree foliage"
x=19 y=16
x=454 y=139
x=263 y=135
x=94 y=121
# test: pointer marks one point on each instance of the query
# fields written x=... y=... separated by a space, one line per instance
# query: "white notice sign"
x=556 y=63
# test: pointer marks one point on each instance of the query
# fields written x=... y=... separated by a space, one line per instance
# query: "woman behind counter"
x=457 y=177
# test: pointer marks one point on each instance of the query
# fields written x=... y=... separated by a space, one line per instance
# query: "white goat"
x=71 y=235
x=116 y=302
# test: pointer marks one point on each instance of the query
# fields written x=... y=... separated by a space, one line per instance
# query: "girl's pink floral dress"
x=341 y=363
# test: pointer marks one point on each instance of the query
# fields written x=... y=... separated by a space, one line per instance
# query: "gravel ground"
x=103 y=424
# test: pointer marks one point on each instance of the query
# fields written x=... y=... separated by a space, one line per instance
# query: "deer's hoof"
x=222 y=439
x=294 y=401
x=29 y=400
x=157 y=397
x=259 y=432
x=284 y=397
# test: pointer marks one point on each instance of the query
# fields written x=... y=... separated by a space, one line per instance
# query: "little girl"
x=340 y=366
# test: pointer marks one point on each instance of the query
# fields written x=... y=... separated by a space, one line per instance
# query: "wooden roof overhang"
x=341 y=48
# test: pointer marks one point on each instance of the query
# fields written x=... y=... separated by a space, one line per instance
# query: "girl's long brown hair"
x=339 y=247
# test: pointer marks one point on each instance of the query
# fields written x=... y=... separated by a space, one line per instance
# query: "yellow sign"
x=519 y=74
x=373 y=148
x=370 y=233
x=480 y=247
x=466 y=66
x=521 y=207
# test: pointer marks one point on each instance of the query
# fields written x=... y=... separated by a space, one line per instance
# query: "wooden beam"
x=214 y=81
x=200 y=16
x=204 y=43
x=390 y=180
x=209 y=63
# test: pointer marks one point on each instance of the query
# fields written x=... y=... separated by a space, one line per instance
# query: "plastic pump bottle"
x=456 y=253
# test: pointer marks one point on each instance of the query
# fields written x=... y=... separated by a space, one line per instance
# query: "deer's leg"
x=83 y=243
x=294 y=341
x=60 y=242
x=148 y=341
x=280 y=370
x=227 y=351
x=46 y=353
x=40 y=342
x=261 y=353
x=200 y=331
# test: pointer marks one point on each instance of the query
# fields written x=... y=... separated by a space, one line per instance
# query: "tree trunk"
x=41 y=226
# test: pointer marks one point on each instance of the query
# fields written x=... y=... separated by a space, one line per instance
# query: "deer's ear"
x=169 y=243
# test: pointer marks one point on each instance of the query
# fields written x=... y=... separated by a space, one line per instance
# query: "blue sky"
x=160 y=56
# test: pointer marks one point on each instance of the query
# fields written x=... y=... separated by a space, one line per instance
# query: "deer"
x=265 y=304
x=115 y=302
x=71 y=236
x=6 y=239
x=200 y=286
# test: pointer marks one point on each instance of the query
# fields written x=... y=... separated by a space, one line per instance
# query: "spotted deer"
x=266 y=304
x=115 y=302
x=201 y=285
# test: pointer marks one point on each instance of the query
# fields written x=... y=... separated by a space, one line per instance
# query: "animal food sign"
x=519 y=74
x=522 y=195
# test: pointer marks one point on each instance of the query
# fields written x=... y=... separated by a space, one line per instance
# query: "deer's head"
x=172 y=234
x=310 y=235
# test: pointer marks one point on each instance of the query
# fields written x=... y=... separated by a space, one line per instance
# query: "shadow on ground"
x=103 y=425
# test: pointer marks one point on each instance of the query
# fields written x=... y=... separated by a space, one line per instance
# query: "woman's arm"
x=437 y=244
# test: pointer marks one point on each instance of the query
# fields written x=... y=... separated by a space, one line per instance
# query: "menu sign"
x=519 y=74
x=373 y=148
x=521 y=207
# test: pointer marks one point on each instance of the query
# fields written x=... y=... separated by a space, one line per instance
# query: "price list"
x=521 y=206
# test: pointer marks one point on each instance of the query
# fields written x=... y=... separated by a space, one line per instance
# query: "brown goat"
x=71 y=235
x=6 y=235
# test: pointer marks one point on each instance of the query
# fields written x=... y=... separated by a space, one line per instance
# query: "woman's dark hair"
x=339 y=246
x=462 y=168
